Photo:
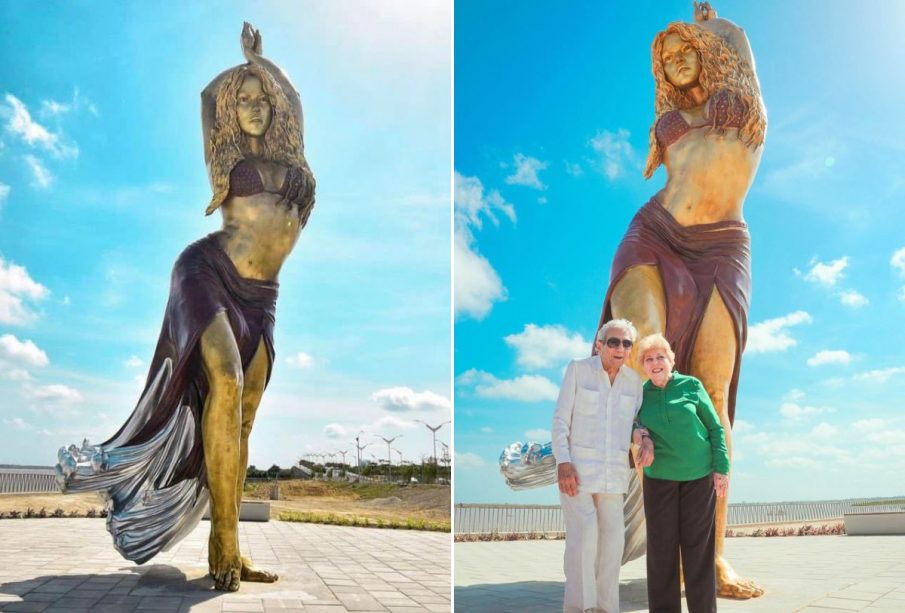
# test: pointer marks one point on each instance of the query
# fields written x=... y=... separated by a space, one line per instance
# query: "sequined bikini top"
x=721 y=112
x=245 y=180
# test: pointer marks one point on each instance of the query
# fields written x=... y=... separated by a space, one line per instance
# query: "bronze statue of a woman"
x=683 y=268
x=186 y=442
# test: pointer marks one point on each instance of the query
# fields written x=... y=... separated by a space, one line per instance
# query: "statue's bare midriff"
x=709 y=175
x=259 y=231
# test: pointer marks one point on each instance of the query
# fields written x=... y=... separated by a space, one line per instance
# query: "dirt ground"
x=385 y=502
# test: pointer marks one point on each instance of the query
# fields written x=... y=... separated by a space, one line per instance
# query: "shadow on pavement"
x=111 y=591
x=537 y=596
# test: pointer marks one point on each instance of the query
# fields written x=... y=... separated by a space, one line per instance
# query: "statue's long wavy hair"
x=721 y=68
x=229 y=144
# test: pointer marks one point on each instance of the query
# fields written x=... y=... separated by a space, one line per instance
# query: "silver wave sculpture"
x=526 y=466
x=128 y=477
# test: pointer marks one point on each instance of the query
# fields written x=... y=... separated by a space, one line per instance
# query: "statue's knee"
x=227 y=379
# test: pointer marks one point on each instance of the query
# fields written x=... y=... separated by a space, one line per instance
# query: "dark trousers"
x=680 y=517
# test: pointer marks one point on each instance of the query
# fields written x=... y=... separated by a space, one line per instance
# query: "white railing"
x=28 y=480
x=526 y=518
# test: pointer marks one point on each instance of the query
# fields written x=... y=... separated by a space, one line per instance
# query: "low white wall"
x=874 y=523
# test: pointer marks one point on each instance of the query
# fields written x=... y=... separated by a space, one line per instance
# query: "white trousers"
x=595 y=539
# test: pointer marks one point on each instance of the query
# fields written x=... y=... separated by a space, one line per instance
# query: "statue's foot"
x=256 y=575
x=730 y=585
x=224 y=564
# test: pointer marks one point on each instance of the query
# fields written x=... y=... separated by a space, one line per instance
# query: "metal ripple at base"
x=530 y=465
x=146 y=513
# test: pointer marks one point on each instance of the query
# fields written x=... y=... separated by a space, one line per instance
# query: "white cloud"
x=827 y=274
x=16 y=286
x=795 y=394
x=477 y=284
x=390 y=422
x=403 y=399
x=614 y=150
x=471 y=205
x=526 y=169
x=870 y=425
x=526 y=388
x=795 y=412
x=901 y=294
x=21 y=352
x=771 y=335
x=853 y=299
x=14 y=374
x=334 y=431
x=18 y=423
x=539 y=435
x=466 y=459
x=487 y=430
x=897 y=261
x=20 y=122
x=741 y=426
x=545 y=346
x=53 y=393
x=42 y=177
x=880 y=375
x=834 y=356
x=4 y=192
x=134 y=362
x=300 y=360
x=825 y=430
x=573 y=169
x=53 y=108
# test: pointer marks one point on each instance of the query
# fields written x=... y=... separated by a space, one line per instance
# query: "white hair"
x=623 y=324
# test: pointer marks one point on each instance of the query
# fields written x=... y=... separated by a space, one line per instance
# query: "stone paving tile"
x=834 y=573
x=70 y=564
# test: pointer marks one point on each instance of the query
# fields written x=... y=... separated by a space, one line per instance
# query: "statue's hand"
x=251 y=42
x=703 y=11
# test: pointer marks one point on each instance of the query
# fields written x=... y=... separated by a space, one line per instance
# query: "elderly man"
x=592 y=429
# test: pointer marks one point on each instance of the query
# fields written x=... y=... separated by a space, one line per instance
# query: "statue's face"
x=680 y=62
x=253 y=107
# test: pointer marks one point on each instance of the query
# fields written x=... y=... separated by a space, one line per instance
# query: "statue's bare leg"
x=712 y=361
x=640 y=298
x=220 y=428
x=255 y=379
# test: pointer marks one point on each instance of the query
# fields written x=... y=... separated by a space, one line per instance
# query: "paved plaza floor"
x=811 y=573
x=70 y=565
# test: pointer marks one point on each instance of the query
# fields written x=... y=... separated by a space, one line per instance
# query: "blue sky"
x=102 y=184
x=552 y=111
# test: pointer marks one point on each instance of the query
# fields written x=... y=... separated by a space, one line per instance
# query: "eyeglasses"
x=615 y=342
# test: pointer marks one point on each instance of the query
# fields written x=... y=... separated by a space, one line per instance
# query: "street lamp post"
x=389 y=457
x=433 y=430
x=360 y=448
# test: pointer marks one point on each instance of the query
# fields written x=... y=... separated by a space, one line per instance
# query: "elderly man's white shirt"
x=592 y=424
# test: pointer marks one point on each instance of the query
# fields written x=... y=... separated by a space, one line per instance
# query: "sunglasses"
x=615 y=342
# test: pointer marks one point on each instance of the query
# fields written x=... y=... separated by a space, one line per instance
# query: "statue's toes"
x=740 y=589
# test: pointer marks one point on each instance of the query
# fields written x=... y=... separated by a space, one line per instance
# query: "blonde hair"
x=721 y=68
x=229 y=144
x=652 y=342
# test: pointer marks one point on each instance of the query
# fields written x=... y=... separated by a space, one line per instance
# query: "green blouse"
x=689 y=442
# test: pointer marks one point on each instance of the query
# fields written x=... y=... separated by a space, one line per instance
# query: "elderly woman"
x=690 y=469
